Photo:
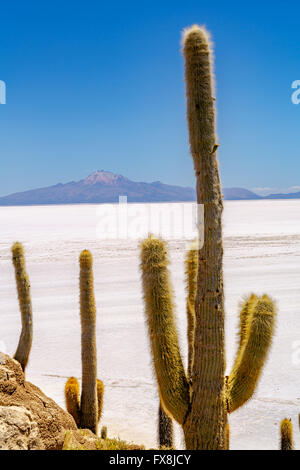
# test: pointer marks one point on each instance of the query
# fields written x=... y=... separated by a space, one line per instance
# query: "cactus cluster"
x=200 y=399
x=86 y=410
x=200 y=396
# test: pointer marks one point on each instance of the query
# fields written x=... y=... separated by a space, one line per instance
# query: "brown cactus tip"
x=17 y=249
x=195 y=34
x=153 y=253
x=86 y=259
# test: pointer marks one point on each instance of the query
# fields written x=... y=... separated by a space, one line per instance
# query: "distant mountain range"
x=104 y=186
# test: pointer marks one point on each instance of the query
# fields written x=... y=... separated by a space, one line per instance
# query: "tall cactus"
x=87 y=410
x=88 y=403
x=23 y=288
x=72 y=397
x=200 y=401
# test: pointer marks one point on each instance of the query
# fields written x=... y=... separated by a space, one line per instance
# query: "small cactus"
x=73 y=399
x=104 y=432
x=286 y=435
x=23 y=288
x=87 y=410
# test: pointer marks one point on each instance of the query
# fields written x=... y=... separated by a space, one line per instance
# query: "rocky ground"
x=28 y=418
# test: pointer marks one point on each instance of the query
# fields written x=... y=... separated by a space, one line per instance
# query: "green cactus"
x=88 y=403
x=86 y=411
x=165 y=429
x=200 y=400
x=23 y=288
x=73 y=399
x=286 y=435
x=103 y=432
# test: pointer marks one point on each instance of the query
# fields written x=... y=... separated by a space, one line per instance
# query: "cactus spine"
x=286 y=434
x=165 y=429
x=87 y=410
x=199 y=401
x=23 y=288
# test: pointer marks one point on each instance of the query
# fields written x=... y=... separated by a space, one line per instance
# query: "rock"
x=33 y=420
x=82 y=439
x=18 y=430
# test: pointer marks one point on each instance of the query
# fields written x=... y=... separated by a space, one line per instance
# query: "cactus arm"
x=245 y=310
x=209 y=356
x=191 y=264
x=165 y=429
x=100 y=393
x=168 y=365
x=72 y=399
x=286 y=435
x=23 y=288
x=252 y=355
x=88 y=404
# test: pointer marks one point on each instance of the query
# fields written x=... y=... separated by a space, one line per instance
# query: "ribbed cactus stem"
x=286 y=435
x=170 y=374
x=209 y=357
x=252 y=355
x=227 y=437
x=191 y=267
x=165 y=429
x=72 y=399
x=89 y=402
x=23 y=288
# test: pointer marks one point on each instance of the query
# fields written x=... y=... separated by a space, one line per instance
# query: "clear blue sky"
x=98 y=85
